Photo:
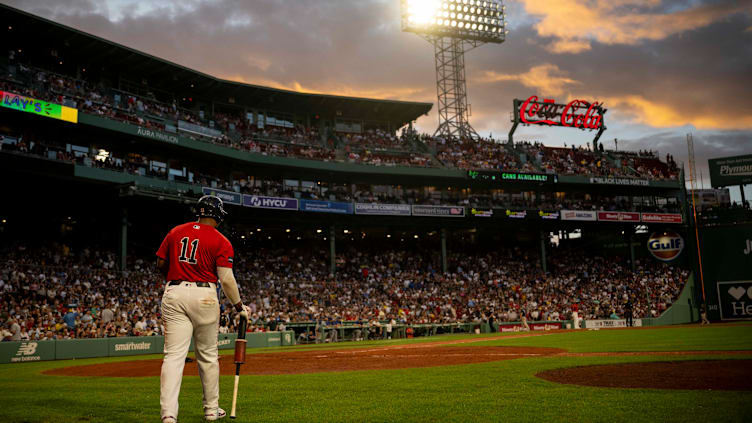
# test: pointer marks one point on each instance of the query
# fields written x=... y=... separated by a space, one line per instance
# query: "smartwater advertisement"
x=326 y=207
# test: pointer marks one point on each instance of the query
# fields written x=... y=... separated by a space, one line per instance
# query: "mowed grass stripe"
x=497 y=391
x=677 y=338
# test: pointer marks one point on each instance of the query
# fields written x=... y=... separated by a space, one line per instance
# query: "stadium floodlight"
x=454 y=27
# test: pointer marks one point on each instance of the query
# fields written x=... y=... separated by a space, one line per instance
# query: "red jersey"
x=193 y=251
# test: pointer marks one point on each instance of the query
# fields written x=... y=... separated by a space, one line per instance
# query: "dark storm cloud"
x=707 y=145
x=698 y=77
x=662 y=76
x=353 y=48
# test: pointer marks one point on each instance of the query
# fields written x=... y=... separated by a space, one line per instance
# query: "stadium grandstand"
x=341 y=213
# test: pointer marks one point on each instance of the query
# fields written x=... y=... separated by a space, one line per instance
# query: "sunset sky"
x=663 y=68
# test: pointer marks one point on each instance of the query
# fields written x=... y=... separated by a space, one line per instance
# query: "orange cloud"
x=576 y=23
x=383 y=93
x=660 y=115
x=547 y=79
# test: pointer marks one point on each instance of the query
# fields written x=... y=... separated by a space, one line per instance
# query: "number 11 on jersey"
x=191 y=258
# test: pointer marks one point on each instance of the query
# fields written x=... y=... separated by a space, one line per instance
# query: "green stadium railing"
x=307 y=332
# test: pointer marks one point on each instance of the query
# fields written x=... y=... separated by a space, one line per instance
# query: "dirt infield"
x=733 y=375
x=729 y=374
x=377 y=358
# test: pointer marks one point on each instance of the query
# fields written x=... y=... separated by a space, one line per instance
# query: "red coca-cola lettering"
x=534 y=108
x=533 y=111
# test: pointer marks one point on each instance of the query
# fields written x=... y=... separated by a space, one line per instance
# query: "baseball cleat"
x=169 y=419
x=214 y=414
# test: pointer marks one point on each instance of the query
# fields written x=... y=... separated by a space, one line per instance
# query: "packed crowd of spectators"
x=479 y=154
x=372 y=146
x=55 y=292
x=486 y=198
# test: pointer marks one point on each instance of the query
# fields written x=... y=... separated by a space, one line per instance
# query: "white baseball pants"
x=188 y=310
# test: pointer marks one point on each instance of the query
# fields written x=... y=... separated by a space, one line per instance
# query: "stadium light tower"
x=454 y=27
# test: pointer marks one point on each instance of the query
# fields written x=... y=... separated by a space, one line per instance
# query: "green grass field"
x=495 y=392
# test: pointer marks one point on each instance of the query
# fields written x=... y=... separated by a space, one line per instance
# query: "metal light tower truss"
x=454 y=27
x=451 y=86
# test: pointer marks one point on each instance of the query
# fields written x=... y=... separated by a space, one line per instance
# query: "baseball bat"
x=240 y=344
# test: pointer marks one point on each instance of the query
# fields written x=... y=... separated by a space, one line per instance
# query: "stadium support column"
x=543 y=251
x=332 y=251
x=631 y=248
x=123 y=239
x=443 y=251
x=741 y=190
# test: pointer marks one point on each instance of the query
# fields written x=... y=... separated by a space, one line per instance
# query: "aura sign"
x=579 y=114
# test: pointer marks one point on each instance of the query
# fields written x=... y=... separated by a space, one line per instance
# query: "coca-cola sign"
x=575 y=114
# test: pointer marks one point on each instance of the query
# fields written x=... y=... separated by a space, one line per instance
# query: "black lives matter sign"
x=735 y=299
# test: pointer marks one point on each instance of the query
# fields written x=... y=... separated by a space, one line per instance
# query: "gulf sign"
x=665 y=246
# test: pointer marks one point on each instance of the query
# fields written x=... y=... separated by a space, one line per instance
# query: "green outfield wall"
x=65 y=349
x=727 y=271
x=686 y=309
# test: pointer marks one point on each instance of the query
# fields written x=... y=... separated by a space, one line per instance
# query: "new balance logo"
x=27 y=348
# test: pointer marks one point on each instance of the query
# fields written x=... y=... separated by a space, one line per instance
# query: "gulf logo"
x=665 y=246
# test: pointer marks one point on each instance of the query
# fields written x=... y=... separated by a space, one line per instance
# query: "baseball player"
x=193 y=256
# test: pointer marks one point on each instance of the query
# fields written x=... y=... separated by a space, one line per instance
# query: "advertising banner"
x=516 y=214
x=725 y=171
x=226 y=196
x=517 y=327
x=735 y=300
x=278 y=203
x=496 y=176
x=23 y=351
x=726 y=256
x=442 y=211
x=382 y=209
x=665 y=246
x=618 y=217
x=326 y=207
x=576 y=113
x=38 y=107
x=548 y=215
x=135 y=345
x=620 y=181
x=611 y=323
x=583 y=215
x=545 y=326
x=198 y=129
x=661 y=217
x=478 y=212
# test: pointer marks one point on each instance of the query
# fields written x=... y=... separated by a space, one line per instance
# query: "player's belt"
x=197 y=284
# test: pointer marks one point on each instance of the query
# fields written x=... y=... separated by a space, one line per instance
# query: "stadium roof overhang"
x=115 y=59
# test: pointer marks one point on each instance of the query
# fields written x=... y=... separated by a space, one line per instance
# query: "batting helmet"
x=211 y=206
